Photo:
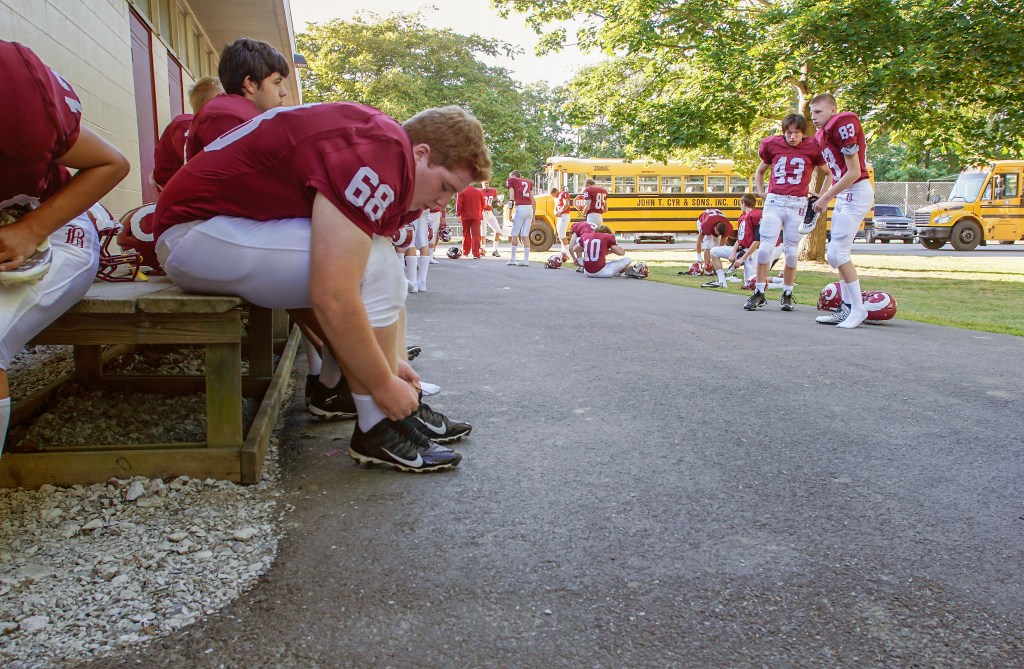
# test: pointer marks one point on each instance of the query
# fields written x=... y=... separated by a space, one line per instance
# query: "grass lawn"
x=980 y=293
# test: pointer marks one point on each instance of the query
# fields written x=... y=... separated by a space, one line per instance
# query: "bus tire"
x=541 y=236
x=933 y=244
x=965 y=236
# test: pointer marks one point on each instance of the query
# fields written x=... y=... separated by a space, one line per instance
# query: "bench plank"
x=122 y=328
x=173 y=300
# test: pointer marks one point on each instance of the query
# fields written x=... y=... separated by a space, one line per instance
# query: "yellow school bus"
x=986 y=204
x=649 y=199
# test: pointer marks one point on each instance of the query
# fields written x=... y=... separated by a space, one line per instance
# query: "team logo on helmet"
x=880 y=305
x=136 y=234
x=639 y=270
x=444 y=234
x=554 y=261
x=402 y=237
x=696 y=269
x=830 y=298
x=455 y=253
x=111 y=261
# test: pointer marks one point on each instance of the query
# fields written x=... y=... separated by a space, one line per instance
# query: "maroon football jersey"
x=598 y=199
x=581 y=228
x=489 y=195
x=595 y=248
x=469 y=204
x=39 y=123
x=842 y=134
x=522 y=190
x=749 y=228
x=709 y=219
x=223 y=113
x=170 y=151
x=273 y=166
x=790 y=167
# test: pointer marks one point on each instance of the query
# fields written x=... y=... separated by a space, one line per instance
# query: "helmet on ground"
x=554 y=261
x=749 y=285
x=830 y=297
x=115 y=266
x=696 y=269
x=444 y=234
x=640 y=269
x=137 y=235
x=881 y=306
x=402 y=237
x=34 y=267
x=455 y=253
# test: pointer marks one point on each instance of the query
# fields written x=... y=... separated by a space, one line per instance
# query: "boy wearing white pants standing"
x=521 y=194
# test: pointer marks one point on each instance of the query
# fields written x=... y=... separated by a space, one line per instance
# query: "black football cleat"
x=786 y=301
x=755 y=301
x=332 y=403
x=437 y=427
x=394 y=445
x=412 y=351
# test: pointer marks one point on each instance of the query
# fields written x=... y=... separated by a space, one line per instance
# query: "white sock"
x=759 y=287
x=5 y=417
x=721 y=275
x=787 y=289
x=330 y=372
x=369 y=413
x=856 y=301
x=410 y=269
x=313 y=360
x=844 y=293
x=424 y=265
x=526 y=253
x=515 y=250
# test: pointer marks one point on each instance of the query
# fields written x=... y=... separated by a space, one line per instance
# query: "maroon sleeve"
x=369 y=178
x=170 y=150
x=764 y=151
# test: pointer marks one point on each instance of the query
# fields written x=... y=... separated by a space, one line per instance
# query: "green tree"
x=401 y=66
x=714 y=76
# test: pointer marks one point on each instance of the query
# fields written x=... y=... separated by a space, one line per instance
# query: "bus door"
x=1001 y=207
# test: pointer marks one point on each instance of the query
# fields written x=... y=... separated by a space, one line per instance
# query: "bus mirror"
x=935 y=199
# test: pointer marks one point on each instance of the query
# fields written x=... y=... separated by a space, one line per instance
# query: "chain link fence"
x=911 y=195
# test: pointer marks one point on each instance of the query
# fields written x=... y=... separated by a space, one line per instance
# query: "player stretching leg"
x=490 y=220
x=790 y=158
x=521 y=194
x=841 y=141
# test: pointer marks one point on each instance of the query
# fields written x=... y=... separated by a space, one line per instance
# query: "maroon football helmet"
x=696 y=269
x=455 y=253
x=554 y=261
x=830 y=298
x=881 y=305
x=749 y=285
x=444 y=234
x=137 y=235
x=402 y=237
x=114 y=267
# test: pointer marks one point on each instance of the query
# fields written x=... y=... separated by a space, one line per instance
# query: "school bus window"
x=625 y=185
x=603 y=181
x=576 y=181
x=1012 y=190
x=694 y=184
x=671 y=184
x=717 y=184
x=738 y=184
x=647 y=184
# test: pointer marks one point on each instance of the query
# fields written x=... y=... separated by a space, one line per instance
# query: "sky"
x=464 y=17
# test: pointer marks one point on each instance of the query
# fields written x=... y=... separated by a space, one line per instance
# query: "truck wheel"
x=933 y=244
x=966 y=236
x=541 y=236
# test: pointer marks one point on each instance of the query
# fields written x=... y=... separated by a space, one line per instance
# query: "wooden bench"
x=157 y=312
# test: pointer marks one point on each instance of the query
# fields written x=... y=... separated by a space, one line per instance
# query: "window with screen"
x=694 y=184
x=671 y=184
x=717 y=184
x=603 y=181
x=647 y=184
x=625 y=185
x=739 y=184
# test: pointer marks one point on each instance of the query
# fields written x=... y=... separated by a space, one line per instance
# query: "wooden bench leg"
x=224 y=395
x=88 y=362
x=261 y=342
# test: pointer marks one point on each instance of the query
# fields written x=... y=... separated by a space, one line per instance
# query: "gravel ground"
x=90 y=570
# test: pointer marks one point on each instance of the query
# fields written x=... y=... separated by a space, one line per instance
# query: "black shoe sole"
x=788 y=308
x=412 y=351
x=367 y=460
x=753 y=308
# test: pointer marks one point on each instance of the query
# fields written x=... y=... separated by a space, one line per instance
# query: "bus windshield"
x=967 y=186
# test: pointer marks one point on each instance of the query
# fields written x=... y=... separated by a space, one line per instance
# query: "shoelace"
x=398 y=443
x=432 y=416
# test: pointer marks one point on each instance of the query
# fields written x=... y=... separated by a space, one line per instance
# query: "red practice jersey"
x=581 y=228
x=597 y=197
x=224 y=112
x=170 y=151
x=790 y=167
x=274 y=165
x=522 y=190
x=749 y=228
x=562 y=203
x=489 y=195
x=843 y=135
x=595 y=248
x=707 y=221
x=39 y=123
x=469 y=204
